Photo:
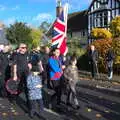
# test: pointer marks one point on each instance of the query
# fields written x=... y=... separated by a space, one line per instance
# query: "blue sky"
x=33 y=12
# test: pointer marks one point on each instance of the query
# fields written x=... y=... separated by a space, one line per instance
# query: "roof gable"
x=100 y=1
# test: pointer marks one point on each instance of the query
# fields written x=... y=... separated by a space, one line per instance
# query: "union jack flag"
x=60 y=31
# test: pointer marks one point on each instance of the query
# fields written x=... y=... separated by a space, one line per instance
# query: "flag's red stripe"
x=63 y=46
x=54 y=39
x=59 y=26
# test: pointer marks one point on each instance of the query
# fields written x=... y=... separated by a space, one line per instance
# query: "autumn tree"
x=115 y=26
x=116 y=48
x=36 y=35
x=100 y=33
x=102 y=46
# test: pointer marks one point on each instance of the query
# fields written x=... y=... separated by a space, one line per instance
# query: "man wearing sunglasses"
x=21 y=68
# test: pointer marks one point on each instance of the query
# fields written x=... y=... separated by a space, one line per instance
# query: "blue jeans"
x=110 y=69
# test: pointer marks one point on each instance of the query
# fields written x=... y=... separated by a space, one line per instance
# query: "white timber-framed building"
x=99 y=14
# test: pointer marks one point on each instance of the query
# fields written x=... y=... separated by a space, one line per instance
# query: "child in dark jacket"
x=71 y=76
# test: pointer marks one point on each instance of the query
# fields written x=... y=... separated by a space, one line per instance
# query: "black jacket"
x=93 y=56
x=110 y=55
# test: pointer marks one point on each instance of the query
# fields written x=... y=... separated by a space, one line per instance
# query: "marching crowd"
x=34 y=71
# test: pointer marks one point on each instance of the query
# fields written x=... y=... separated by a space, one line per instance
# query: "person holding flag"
x=55 y=72
x=59 y=48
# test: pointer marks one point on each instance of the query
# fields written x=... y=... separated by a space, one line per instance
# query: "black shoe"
x=76 y=107
x=41 y=116
x=31 y=114
x=31 y=117
x=58 y=102
x=13 y=102
x=68 y=104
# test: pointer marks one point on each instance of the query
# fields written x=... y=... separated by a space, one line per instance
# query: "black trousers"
x=56 y=84
x=93 y=69
x=23 y=86
x=3 y=92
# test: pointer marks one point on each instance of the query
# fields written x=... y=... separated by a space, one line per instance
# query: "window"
x=83 y=33
x=96 y=4
x=113 y=14
x=105 y=19
x=90 y=21
x=98 y=20
x=101 y=20
x=103 y=1
x=91 y=8
x=119 y=8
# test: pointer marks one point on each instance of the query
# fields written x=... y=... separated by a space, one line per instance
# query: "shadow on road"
x=107 y=108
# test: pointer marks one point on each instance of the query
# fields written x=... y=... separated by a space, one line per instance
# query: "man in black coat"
x=45 y=73
x=21 y=66
x=4 y=69
x=93 y=60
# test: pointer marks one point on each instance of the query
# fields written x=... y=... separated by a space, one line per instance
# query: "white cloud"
x=40 y=1
x=10 y=21
x=29 y=20
x=43 y=17
x=15 y=8
x=78 y=4
x=2 y=8
x=30 y=25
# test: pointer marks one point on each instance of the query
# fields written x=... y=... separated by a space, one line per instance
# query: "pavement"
x=99 y=100
x=108 y=86
x=100 y=76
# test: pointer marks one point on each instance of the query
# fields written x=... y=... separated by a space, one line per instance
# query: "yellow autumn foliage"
x=116 y=48
x=115 y=26
x=36 y=35
x=101 y=33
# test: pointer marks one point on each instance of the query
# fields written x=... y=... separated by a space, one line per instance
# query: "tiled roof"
x=74 y=21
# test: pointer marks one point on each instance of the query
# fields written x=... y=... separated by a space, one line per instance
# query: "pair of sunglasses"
x=23 y=47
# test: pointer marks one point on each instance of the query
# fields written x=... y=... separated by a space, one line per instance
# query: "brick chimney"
x=58 y=8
